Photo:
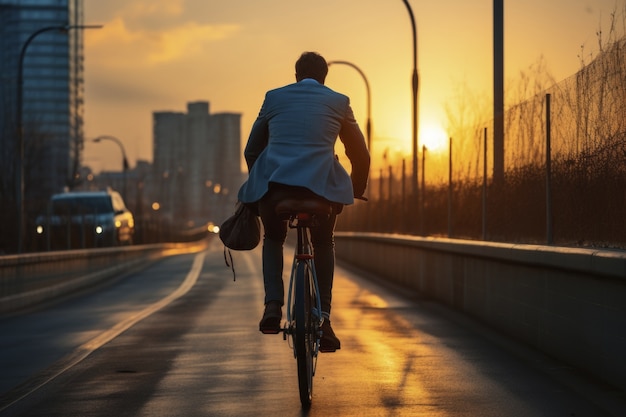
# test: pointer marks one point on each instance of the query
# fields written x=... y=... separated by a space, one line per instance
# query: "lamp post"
x=368 y=126
x=415 y=85
x=124 y=160
x=20 y=121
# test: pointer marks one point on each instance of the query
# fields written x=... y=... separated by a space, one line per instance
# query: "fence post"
x=381 y=203
x=549 y=236
x=405 y=212
x=485 y=185
x=450 y=188
x=423 y=194
x=390 y=213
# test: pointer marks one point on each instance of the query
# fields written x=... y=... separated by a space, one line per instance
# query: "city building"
x=196 y=164
x=52 y=98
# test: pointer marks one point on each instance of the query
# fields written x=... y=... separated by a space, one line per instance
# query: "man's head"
x=311 y=65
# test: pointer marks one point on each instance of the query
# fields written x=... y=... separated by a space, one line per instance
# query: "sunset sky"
x=158 y=55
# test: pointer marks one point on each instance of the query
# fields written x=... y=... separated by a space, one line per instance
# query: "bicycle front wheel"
x=304 y=332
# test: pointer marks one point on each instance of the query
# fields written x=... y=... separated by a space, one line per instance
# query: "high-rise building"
x=196 y=164
x=52 y=97
x=168 y=155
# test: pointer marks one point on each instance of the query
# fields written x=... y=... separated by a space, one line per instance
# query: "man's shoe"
x=270 y=323
x=328 y=342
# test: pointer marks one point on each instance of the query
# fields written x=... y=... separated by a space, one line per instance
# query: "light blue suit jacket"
x=292 y=142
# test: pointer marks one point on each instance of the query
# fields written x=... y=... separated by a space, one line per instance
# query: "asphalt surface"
x=180 y=338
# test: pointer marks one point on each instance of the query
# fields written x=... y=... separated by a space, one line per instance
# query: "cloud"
x=155 y=8
x=137 y=13
x=188 y=40
x=115 y=46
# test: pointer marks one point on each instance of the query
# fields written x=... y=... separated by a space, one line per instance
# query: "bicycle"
x=304 y=312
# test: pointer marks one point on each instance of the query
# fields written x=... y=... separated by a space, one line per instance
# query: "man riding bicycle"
x=290 y=153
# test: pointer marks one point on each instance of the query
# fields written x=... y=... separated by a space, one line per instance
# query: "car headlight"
x=39 y=229
x=99 y=230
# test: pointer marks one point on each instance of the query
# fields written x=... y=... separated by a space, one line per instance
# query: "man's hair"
x=311 y=65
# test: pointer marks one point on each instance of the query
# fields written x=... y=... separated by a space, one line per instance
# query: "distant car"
x=85 y=219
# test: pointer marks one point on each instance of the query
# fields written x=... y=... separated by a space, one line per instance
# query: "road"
x=180 y=338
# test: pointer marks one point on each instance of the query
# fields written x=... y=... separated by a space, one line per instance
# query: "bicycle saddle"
x=308 y=205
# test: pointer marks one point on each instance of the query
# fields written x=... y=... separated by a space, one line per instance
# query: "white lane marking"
x=112 y=333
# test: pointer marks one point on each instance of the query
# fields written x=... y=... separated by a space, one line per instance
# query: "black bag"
x=242 y=230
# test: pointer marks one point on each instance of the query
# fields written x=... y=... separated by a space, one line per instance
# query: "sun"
x=434 y=137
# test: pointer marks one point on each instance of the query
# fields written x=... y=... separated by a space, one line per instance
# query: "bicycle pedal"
x=328 y=350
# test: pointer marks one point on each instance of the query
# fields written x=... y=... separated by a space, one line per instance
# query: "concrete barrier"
x=30 y=279
x=567 y=302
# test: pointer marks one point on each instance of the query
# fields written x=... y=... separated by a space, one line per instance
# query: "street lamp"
x=368 y=127
x=415 y=103
x=124 y=160
x=20 y=121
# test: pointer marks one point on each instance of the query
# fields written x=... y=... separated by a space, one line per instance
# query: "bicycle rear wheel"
x=304 y=332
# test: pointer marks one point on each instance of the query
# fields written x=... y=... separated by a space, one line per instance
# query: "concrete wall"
x=567 y=302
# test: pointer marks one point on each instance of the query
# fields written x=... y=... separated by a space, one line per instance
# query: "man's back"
x=292 y=142
x=305 y=112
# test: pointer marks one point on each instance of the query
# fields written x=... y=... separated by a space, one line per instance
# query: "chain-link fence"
x=572 y=192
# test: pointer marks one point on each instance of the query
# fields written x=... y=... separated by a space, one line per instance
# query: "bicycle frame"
x=303 y=253
x=304 y=312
